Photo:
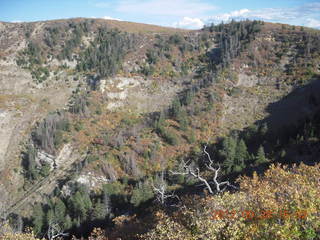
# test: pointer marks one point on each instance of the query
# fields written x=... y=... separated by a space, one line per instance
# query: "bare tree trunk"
x=188 y=170
x=161 y=190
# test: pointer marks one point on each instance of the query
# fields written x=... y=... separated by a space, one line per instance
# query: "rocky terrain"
x=96 y=103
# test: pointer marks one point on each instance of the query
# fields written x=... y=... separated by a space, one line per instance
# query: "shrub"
x=246 y=214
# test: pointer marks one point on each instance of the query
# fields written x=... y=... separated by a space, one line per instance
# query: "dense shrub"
x=282 y=204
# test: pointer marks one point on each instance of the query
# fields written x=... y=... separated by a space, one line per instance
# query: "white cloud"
x=313 y=23
x=111 y=18
x=267 y=14
x=225 y=17
x=108 y=18
x=176 y=8
x=193 y=13
x=189 y=23
x=307 y=15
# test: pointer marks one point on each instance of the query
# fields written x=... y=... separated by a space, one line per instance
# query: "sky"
x=191 y=14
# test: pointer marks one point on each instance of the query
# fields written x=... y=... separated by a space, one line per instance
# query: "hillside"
x=94 y=113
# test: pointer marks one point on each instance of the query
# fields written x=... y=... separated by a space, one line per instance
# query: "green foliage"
x=30 y=163
x=114 y=188
x=188 y=96
x=48 y=134
x=79 y=104
x=78 y=30
x=148 y=70
x=169 y=136
x=228 y=152
x=142 y=193
x=37 y=218
x=52 y=36
x=176 y=39
x=80 y=204
x=160 y=122
x=60 y=210
x=176 y=108
x=191 y=138
x=260 y=158
x=92 y=158
x=183 y=119
x=152 y=56
x=106 y=53
x=233 y=37
x=242 y=154
x=32 y=58
x=99 y=211
x=78 y=126
x=234 y=154
x=45 y=170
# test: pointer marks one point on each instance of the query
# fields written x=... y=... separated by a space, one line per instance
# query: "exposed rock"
x=91 y=180
x=64 y=155
x=45 y=158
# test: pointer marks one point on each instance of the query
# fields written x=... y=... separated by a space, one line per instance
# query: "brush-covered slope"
x=93 y=110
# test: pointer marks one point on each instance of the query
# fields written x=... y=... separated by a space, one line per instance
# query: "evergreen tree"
x=37 y=218
x=60 y=210
x=183 y=119
x=99 y=211
x=67 y=222
x=141 y=194
x=241 y=155
x=30 y=162
x=50 y=218
x=176 y=108
x=81 y=204
x=261 y=158
x=228 y=152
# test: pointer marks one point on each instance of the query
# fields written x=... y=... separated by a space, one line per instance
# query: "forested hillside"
x=143 y=132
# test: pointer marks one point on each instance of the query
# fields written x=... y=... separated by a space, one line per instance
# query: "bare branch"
x=161 y=190
x=188 y=170
x=55 y=231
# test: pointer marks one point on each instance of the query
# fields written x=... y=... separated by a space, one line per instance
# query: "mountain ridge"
x=135 y=102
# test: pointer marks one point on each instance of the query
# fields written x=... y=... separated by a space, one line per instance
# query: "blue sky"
x=176 y=13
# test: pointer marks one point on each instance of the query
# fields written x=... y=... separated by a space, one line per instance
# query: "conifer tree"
x=60 y=210
x=261 y=158
x=38 y=218
x=241 y=155
x=228 y=152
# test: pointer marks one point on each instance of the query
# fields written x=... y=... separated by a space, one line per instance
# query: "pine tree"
x=31 y=163
x=99 y=211
x=67 y=222
x=176 y=108
x=261 y=158
x=60 y=210
x=228 y=152
x=81 y=204
x=50 y=217
x=38 y=218
x=241 y=155
x=183 y=119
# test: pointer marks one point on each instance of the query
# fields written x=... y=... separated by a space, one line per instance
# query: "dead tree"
x=55 y=231
x=195 y=172
x=160 y=189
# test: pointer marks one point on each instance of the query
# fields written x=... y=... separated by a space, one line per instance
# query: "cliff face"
x=97 y=87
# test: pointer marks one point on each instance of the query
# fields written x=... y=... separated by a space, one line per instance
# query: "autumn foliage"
x=285 y=203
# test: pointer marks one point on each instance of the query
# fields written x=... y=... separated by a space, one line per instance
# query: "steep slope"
x=95 y=108
x=38 y=76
